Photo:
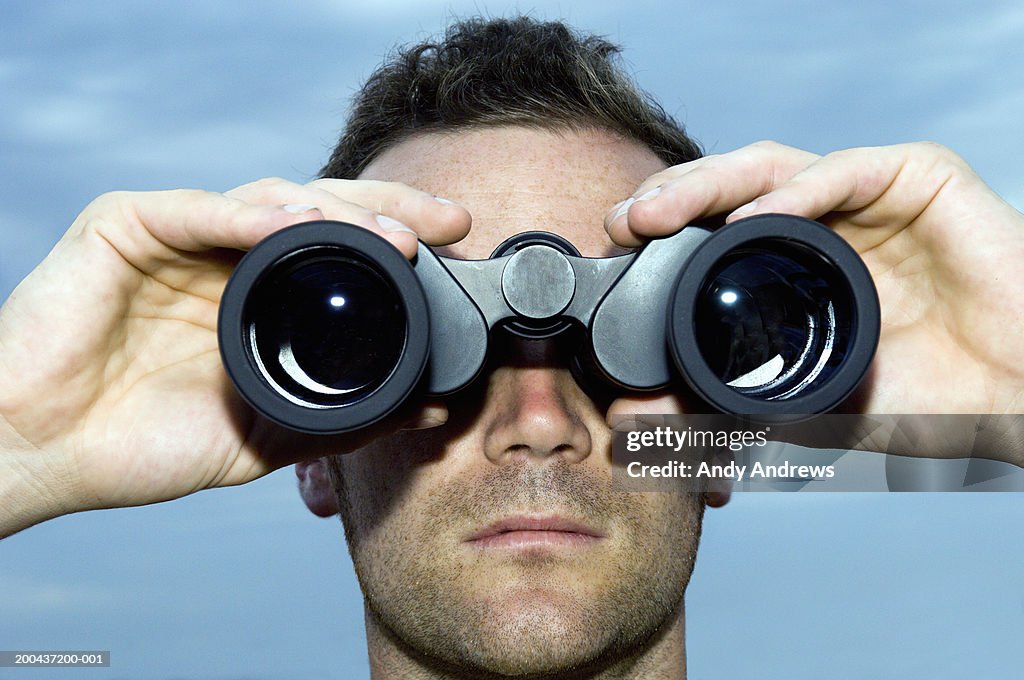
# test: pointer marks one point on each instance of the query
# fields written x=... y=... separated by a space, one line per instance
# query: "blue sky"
x=243 y=583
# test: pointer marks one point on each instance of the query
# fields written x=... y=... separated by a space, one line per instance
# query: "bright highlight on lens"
x=314 y=312
x=768 y=320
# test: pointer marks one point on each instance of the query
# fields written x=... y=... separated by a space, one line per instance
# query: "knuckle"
x=270 y=181
x=109 y=200
x=842 y=155
x=268 y=184
x=769 y=145
x=712 y=162
x=775 y=152
x=941 y=153
x=931 y=147
x=109 y=206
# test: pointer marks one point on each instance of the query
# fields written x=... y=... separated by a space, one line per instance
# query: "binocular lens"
x=773 y=320
x=774 y=316
x=325 y=328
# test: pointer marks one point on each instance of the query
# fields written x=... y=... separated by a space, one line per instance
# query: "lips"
x=534 y=531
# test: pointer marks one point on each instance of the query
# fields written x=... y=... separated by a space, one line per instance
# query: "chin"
x=537 y=629
x=537 y=636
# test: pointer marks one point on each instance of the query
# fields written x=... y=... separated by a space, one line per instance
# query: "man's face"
x=496 y=541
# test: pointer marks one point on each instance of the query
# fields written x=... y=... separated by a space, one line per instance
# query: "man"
x=483 y=529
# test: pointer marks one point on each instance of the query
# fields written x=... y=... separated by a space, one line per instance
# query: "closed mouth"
x=535 y=531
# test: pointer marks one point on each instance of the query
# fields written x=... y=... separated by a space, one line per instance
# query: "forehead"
x=515 y=179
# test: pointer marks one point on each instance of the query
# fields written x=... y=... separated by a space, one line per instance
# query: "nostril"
x=518 y=449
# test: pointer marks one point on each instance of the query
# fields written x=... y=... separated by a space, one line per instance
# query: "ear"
x=718 y=493
x=719 y=489
x=315 y=487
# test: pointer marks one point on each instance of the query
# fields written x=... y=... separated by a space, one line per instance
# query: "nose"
x=535 y=409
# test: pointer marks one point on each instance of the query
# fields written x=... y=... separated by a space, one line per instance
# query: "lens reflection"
x=326 y=328
x=772 y=320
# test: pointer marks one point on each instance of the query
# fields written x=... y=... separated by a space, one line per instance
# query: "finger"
x=150 y=227
x=426 y=415
x=656 y=403
x=436 y=221
x=647 y=190
x=668 y=174
x=898 y=182
x=705 y=187
x=274 y=190
x=651 y=186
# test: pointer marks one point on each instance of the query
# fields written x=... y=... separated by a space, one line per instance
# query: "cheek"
x=665 y=527
x=382 y=484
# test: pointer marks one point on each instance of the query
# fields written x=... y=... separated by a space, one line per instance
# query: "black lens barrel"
x=775 y=315
x=324 y=328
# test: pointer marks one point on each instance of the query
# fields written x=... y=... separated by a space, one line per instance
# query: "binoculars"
x=326 y=328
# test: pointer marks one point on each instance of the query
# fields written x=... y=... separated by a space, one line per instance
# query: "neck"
x=661 y=657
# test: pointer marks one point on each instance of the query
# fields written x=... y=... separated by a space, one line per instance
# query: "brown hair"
x=516 y=71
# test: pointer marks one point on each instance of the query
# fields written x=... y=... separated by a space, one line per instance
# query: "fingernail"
x=444 y=201
x=744 y=209
x=297 y=208
x=390 y=224
x=650 y=194
x=622 y=208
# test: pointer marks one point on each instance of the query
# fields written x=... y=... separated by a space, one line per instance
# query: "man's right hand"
x=112 y=391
